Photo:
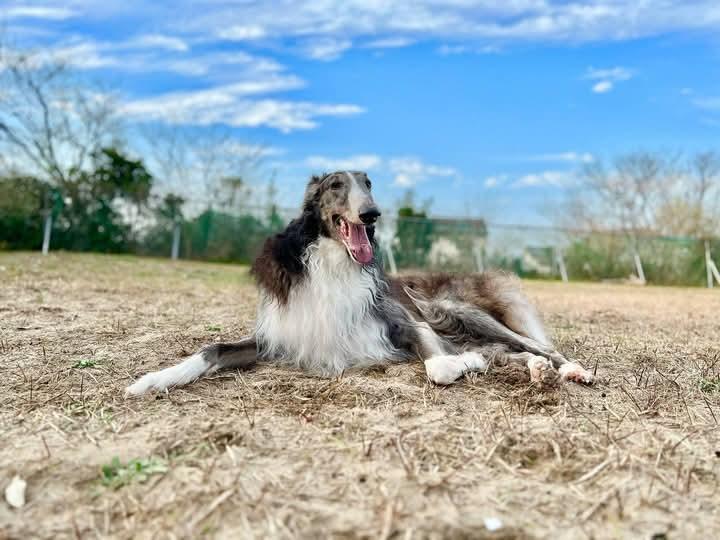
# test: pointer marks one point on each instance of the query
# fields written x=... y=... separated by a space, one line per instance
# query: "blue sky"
x=488 y=108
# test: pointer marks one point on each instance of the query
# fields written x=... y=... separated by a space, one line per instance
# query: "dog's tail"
x=210 y=359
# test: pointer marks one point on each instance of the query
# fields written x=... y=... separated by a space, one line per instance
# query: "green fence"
x=407 y=244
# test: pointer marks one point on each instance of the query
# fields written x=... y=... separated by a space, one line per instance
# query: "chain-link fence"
x=548 y=252
x=406 y=244
x=192 y=231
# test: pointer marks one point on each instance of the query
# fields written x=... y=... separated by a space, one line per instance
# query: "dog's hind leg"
x=241 y=354
x=467 y=322
x=461 y=320
x=447 y=368
x=444 y=369
x=540 y=368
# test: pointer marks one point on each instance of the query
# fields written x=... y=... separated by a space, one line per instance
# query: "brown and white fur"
x=327 y=307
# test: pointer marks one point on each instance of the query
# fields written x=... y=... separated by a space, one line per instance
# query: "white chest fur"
x=328 y=324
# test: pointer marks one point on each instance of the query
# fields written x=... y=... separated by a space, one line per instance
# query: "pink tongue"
x=359 y=244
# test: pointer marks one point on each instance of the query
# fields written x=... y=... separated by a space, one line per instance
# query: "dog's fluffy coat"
x=329 y=322
x=323 y=312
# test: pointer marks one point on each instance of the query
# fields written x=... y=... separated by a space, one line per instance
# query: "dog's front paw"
x=442 y=369
x=143 y=385
x=576 y=373
x=446 y=369
x=541 y=370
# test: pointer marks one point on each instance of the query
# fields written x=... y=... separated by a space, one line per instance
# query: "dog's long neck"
x=318 y=308
x=283 y=262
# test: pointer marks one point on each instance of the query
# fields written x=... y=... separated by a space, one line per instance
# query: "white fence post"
x=708 y=263
x=175 y=254
x=639 y=267
x=385 y=235
x=478 y=254
x=711 y=267
x=390 y=256
x=47 y=232
x=561 y=265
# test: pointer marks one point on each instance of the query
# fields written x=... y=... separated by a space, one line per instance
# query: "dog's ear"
x=312 y=191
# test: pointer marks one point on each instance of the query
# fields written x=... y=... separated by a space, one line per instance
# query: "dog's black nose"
x=369 y=215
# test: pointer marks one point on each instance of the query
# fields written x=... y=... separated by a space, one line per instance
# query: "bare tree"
x=646 y=192
x=705 y=175
x=50 y=122
x=622 y=196
x=206 y=166
x=234 y=191
x=689 y=198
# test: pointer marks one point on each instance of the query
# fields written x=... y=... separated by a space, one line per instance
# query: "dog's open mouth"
x=355 y=238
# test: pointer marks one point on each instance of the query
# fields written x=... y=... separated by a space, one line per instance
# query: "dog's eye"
x=337 y=184
x=368 y=183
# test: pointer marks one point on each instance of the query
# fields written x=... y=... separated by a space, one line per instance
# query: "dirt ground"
x=272 y=453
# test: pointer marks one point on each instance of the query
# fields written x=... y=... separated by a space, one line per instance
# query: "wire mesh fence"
x=406 y=243
x=549 y=253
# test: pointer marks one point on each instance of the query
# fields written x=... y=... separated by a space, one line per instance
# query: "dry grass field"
x=272 y=453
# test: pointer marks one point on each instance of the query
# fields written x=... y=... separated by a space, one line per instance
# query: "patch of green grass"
x=85 y=363
x=710 y=385
x=117 y=474
x=213 y=328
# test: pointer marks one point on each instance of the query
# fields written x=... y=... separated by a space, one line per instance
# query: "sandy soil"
x=272 y=453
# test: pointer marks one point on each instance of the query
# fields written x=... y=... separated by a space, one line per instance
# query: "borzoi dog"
x=326 y=306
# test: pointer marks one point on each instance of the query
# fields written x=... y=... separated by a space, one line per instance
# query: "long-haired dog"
x=326 y=306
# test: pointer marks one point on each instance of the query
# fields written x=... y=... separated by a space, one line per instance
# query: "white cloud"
x=159 y=53
x=37 y=12
x=214 y=64
x=494 y=181
x=360 y=162
x=614 y=74
x=406 y=171
x=325 y=49
x=606 y=78
x=159 y=41
x=229 y=105
x=81 y=55
x=243 y=102
x=242 y=32
x=448 y=50
x=544 y=178
x=389 y=43
x=409 y=171
x=221 y=95
x=570 y=157
x=602 y=87
x=287 y=116
x=497 y=23
x=252 y=150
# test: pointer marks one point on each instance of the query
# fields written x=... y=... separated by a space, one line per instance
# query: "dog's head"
x=344 y=204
